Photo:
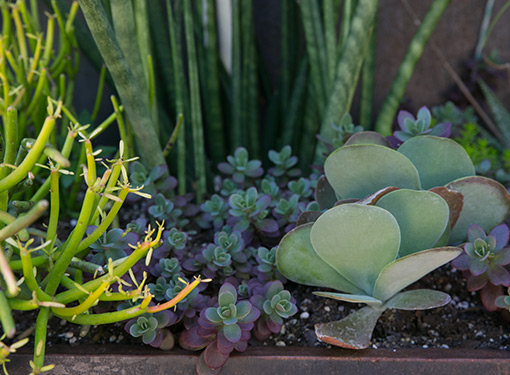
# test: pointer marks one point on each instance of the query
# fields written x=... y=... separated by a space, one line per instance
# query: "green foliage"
x=368 y=251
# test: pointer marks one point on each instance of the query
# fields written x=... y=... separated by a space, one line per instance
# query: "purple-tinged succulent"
x=341 y=132
x=503 y=302
x=483 y=262
x=266 y=269
x=113 y=244
x=223 y=328
x=167 y=268
x=287 y=211
x=214 y=211
x=411 y=127
x=239 y=166
x=157 y=181
x=248 y=208
x=159 y=289
x=284 y=163
x=228 y=187
x=301 y=187
x=176 y=239
x=161 y=208
x=275 y=304
x=149 y=327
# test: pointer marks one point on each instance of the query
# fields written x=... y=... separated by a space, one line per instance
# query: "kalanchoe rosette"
x=370 y=253
x=240 y=167
x=483 y=262
x=275 y=304
x=411 y=127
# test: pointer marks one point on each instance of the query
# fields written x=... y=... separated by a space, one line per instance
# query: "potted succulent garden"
x=199 y=245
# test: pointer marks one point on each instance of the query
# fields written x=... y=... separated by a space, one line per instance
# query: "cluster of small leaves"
x=411 y=127
x=341 y=132
x=230 y=238
x=449 y=112
x=483 y=262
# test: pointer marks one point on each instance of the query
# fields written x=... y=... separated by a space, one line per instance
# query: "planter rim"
x=292 y=360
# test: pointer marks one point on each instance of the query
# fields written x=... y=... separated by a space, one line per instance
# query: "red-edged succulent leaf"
x=372 y=199
x=498 y=275
x=232 y=332
x=241 y=346
x=454 y=199
x=168 y=342
x=501 y=233
x=203 y=369
x=213 y=358
x=352 y=332
x=157 y=340
x=489 y=294
x=191 y=340
x=324 y=193
x=262 y=332
x=224 y=346
x=474 y=283
x=502 y=257
x=462 y=262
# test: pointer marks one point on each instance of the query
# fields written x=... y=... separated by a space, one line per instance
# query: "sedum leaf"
x=421 y=215
x=357 y=241
x=405 y=271
x=418 y=299
x=297 y=261
x=359 y=170
x=438 y=160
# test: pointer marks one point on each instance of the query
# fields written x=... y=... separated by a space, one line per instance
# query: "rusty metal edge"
x=129 y=360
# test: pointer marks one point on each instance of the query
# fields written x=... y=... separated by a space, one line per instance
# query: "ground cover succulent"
x=369 y=254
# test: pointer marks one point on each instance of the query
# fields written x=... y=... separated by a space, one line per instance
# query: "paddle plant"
x=369 y=254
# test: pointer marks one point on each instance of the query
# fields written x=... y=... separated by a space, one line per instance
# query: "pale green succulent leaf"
x=297 y=261
x=405 y=271
x=421 y=215
x=352 y=332
x=418 y=299
x=356 y=171
x=438 y=160
x=367 y=138
x=357 y=241
x=352 y=298
x=485 y=202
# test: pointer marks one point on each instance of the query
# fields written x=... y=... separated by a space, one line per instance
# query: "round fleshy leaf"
x=405 y=271
x=352 y=298
x=421 y=215
x=352 y=332
x=486 y=203
x=367 y=138
x=359 y=170
x=357 y=241
x=297 y=261
x=232 y=332
x=324 y=194
x=418 y=299
x=438 y=160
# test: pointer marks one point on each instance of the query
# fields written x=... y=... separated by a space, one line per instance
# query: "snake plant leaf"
x=359 y=170
x=418 y=299
x=486 y=203
x=367 y=138
x=324 y=194
x=438 y=160
x=297 y=261
x=404 y=271
x=357 y=241
x=352 y=332
x=352 y=298
x=421 y=215
x=454 y=199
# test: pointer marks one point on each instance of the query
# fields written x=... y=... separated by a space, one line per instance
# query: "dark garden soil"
x=464 y=323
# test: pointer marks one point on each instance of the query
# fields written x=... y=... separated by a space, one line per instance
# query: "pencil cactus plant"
x=369 y=254
x=355 y=171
